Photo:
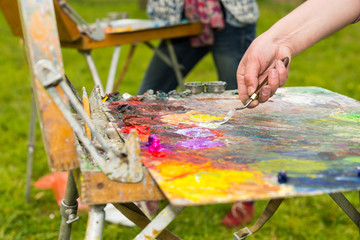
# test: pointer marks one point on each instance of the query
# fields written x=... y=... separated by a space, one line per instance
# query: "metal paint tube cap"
x=195 y=87
x=215 y=87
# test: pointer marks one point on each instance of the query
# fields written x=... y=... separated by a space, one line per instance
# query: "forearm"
x=311 y=22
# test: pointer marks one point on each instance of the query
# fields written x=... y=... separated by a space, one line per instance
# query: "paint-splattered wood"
x=144 y=35
x=42 y=42
x=68 y=29
x=11 y=13
x=71 y=37
x=96 y=188
x=311 y=133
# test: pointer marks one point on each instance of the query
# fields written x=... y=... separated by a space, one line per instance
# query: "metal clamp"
x=47 y=74
x=244 y=235
x=69 y=212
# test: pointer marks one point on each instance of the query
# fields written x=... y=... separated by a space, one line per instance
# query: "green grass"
x=331 y=64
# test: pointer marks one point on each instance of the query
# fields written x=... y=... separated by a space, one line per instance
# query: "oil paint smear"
x=199 y=143
x=351 y=116
x=291 y=166
x=300 y=131
x=196 y=132
x=143 y=131
x=199 y=182
x=176 y=119
x=205 y=117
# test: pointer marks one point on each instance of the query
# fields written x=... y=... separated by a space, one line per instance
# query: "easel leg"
x=30 y=148
x=134 y=214
x=95 y=224
x=176 y=66
x=160 y=222
x=68 y=208
x=347 y=207
x=125 y=67
x=112 y=71
x=94 y=73
x=172 y=61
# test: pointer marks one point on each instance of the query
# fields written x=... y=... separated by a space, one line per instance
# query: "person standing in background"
x=229 y=27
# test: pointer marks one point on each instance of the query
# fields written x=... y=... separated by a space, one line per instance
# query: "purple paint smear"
x=199 y=143
x=196 y=132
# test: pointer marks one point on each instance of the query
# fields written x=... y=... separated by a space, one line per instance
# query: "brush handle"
x=285 y=61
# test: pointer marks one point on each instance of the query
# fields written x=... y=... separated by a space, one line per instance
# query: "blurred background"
x=331 y=64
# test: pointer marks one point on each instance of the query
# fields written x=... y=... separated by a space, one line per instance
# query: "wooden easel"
x=71 y=37
x=60 y=141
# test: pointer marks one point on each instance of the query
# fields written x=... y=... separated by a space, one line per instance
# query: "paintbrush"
x=86 y=105
x=253 y=97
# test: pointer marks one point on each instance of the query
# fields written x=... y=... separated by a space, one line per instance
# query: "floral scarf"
x=209 y=13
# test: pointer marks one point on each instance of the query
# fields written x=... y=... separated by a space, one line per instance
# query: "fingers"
x=283 y=72
x=273 y=84
x=240 y=76
x=265 y=94
x=276 y=78
x=247 y=78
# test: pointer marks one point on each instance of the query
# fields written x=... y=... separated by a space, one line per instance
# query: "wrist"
x=281 y=44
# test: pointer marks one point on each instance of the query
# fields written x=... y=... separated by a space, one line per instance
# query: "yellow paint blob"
x=178 y=169
x=205 y=117
x=201 y=182
x=211 y=184
x=105 y=99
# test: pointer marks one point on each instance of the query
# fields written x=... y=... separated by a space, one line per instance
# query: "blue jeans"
x=229 y=46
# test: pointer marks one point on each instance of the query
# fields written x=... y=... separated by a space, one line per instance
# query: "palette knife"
x=253 y=97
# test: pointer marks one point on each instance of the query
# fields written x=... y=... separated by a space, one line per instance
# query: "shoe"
x=114 y=216
x=149 y=208
x=241 y=213
x=56 y=181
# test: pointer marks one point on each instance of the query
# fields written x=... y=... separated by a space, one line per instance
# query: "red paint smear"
x=135 y=102
x=141 y=120
x=349 y=153
x=143 y=131
x=115 y=104
x=158 y=154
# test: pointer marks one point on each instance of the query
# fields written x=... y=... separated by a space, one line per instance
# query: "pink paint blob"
x=154 y=145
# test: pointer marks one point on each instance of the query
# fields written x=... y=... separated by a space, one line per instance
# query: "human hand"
x=262 y=59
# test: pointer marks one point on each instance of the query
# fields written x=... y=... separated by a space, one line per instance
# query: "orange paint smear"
x=176 y=119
